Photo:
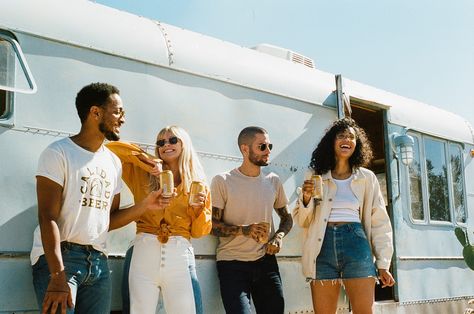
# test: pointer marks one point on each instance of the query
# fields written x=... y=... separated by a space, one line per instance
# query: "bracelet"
x=60 y=291
x=56 y=274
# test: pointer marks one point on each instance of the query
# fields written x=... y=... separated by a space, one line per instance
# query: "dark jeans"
x=125 y=286
x=88 y=277
x=259 y=279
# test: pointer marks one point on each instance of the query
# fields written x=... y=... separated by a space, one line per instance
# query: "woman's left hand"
x=146 y=158
x=386 y=278
x=198 y=202
x=157 y=169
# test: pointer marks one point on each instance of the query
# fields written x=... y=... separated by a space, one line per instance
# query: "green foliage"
x=461 y=235
x=438 y=192
x=468 y=251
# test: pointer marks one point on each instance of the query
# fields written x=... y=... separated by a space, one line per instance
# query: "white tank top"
x=345 y=206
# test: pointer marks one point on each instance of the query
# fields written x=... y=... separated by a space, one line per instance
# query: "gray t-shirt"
x=245 y=200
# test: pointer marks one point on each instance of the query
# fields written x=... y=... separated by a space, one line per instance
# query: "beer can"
x=196 y=188
x=167 y=183
x=264 y=238
x=318 y=186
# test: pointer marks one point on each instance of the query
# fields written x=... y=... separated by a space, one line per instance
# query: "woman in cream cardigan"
x=349 y=227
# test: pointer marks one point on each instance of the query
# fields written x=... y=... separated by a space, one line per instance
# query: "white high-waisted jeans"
x=166 y=267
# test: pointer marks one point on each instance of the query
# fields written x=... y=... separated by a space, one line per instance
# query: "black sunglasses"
x=172 y=140
x=263 y=146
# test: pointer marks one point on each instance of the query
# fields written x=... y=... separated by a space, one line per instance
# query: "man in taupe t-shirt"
x=243 y=200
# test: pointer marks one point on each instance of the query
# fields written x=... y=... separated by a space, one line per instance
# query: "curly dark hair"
x=323 y=159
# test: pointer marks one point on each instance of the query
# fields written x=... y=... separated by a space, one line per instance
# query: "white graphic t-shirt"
x=90 y=181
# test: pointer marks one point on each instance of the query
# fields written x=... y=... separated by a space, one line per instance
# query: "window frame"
x=424 y=182
x=20 y=57
x=418 y=142
x=8 y=113
x=463 y=183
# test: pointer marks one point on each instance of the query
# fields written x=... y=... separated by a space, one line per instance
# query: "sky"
x=421 y=49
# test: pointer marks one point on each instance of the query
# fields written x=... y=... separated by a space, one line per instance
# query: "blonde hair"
x=190 y=168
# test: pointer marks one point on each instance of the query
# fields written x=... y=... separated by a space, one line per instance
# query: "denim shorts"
x=345 y=254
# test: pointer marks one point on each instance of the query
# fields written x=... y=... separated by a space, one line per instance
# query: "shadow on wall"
x=16 y=235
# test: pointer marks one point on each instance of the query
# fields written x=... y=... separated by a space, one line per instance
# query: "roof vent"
x=285 y=54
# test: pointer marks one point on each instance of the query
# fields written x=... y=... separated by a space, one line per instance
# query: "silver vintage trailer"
x=50 y=49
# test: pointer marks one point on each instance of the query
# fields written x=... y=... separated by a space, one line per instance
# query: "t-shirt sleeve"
x=218 y=192
x=52 y=165
x=280 y=200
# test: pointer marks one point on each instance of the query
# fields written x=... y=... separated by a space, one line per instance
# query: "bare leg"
x=361 y=294
x=325 y=294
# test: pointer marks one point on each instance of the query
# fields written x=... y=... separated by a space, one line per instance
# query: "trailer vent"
x=285 y=54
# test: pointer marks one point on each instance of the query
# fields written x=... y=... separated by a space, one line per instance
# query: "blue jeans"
x=345 y=254
x=125 y=289
x=126 y=292
x=88 y=276
x=259 y=280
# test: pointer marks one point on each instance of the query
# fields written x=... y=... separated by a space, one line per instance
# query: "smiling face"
x=169 y=152
x=345 y=143
x=112 y=118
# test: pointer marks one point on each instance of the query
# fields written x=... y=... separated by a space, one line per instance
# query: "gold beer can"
x=196 y=188
x=167 y=183
x=318 y=186
x=264 y=238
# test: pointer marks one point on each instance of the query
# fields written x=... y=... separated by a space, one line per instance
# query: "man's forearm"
x=286 y=221
x=51 y=240
x=221 y=229
x=122 y=217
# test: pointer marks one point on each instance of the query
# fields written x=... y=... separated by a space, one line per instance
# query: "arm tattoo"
x=221 y=229
x=286 y=221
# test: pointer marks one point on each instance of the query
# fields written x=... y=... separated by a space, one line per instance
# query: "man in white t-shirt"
x=243 y=201
x=78 y=190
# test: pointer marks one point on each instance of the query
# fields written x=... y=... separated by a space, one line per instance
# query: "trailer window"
x=436 y=181
x=15 y=75
x=457 y=179
x=437 y=171
x=416 y=192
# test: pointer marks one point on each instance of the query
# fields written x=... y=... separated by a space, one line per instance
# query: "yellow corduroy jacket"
x=373 y=215
x=178 y=219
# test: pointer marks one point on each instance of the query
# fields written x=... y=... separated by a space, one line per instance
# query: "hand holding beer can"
x=196 y=188
x=167 y=183
x=263 y=238
x=318 y=186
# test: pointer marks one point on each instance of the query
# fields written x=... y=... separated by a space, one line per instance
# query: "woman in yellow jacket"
x=163 y=258
x=348 y=226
